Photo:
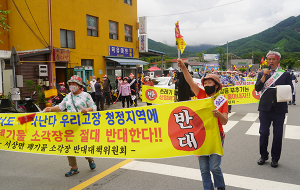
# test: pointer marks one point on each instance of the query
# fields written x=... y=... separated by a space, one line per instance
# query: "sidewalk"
x=118 y=105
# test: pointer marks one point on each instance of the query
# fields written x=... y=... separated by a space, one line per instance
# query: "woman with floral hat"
x=76 y=101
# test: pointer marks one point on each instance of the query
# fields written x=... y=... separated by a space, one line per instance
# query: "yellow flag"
x=179 y=38
x=250 y=66
x=180 y=44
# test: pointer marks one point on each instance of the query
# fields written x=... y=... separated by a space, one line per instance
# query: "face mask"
x=131 y=77
x=94 y=80
x=146 y=80
x=125 y=81
x=104 y=78
x=210 y=89
x=73 y=88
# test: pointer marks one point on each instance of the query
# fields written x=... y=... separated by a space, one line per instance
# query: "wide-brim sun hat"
x=76 y=79
x=213 y=77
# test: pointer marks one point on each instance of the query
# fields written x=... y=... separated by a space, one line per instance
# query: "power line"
x=46 y=45
x=197 y=10
x=222 y=27
x=36 y=23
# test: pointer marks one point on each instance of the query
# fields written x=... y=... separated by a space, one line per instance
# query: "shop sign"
x=120 y=51
x=143 y=25
x=62 y=55
x=143 y=43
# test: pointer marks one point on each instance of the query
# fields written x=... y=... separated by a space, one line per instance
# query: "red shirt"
x=223 y=109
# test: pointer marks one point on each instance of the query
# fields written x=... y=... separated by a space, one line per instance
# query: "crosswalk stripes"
x=291 y=131
x=250 y=117
x=242 y=182
x=254 y=129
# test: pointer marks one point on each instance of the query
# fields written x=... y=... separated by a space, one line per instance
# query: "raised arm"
x=188 y=77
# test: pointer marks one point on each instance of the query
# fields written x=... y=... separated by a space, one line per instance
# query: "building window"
x=87 y=62
x=113 y=30
x=92 y=25
x=127 y=2
x=128 y=33
x=67 y=39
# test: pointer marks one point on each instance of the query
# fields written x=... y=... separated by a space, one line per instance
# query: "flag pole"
x=178 y=53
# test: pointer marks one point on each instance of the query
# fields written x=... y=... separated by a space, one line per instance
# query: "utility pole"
x=227 y=57
x=15 y=60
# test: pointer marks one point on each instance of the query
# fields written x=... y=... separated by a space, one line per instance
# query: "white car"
x=163 y=82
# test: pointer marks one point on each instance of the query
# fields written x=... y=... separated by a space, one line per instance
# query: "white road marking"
x=230 y=114
x=229 y=125
x=250 y=117
x=292 y=132
x=254 y=129
x=285 y=120
x=194 y=174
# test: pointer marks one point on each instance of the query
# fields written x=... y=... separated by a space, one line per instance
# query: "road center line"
x=194 y=174
x=101 y=175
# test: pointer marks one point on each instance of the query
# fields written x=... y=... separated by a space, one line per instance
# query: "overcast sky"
x=213 y=21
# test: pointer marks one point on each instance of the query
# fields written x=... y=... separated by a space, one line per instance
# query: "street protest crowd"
x=271 y=110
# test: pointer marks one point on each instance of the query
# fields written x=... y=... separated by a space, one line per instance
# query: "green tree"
x=200 y=55
x=3 y=19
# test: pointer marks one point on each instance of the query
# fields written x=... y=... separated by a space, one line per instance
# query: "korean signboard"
x=120 y=51
x=62 y=55
x=211 y=57
x=143 y=43
x=143 y=25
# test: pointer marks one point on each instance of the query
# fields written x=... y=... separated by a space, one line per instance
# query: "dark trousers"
x=133 y=101
x=127 y=100
x=106 y=94
x=93 y=96
x=266 y=118
x=293 y=99
x=229 y=108
x=99 y=100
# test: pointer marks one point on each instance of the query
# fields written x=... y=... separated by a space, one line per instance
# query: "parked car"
x=163 y=82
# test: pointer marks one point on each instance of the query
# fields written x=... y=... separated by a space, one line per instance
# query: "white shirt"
x=81 y=101
x=92 y=86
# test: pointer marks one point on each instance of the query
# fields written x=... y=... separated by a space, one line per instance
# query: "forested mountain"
x=168 y=50
x=285 y=36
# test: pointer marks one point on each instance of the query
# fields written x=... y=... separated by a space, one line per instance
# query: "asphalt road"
x=32 y=171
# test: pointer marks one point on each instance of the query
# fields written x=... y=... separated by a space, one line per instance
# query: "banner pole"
x=178 y=53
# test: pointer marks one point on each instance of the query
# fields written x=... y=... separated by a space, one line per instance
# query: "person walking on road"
x=210 y=163
x=271 y=111
x=148 y=82
x=132 y=81
x=125 y=92
x=106 y=90
x=294 y=81
x=92 y=87
x=99 y=95
x=75 y=101
x=228 y=81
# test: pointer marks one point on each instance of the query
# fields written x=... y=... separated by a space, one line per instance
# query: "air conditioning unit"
x=42 y=70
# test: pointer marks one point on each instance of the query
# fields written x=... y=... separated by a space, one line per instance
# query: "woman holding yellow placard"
x=210 y=163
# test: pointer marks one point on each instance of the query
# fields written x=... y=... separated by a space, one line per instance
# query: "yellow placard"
x=240 y=94
x=157 y=95
x=159 y=131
